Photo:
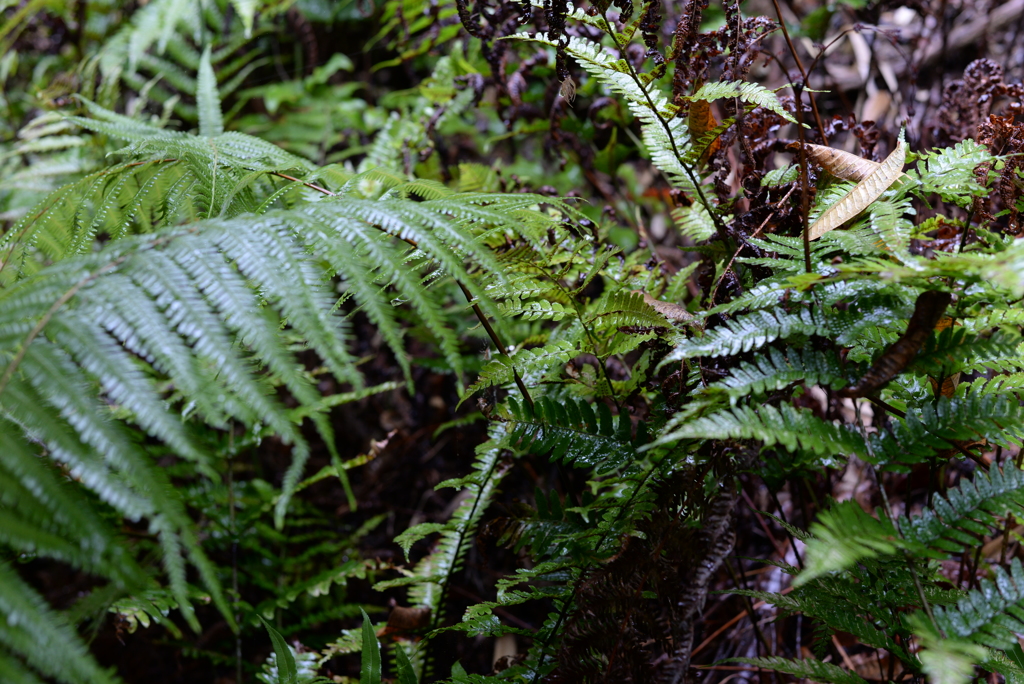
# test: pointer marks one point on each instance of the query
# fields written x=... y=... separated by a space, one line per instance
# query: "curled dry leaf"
x=839 y=163
x=672 y=312
x=867 y=190
x=928 y=311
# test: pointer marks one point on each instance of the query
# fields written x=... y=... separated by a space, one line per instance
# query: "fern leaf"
x=571 y=431
x=790 y=427
x=950 y=172
x=972 y=506
x=211 y=121
x=863 y=194
x=751 y=331
x=535 y=310
x=843 y=535
x=754 y=93
x=47 y=644
x=936 y=427
x=627 y=309
x=990 y=615
x=807 y=668
x=502 y=370
x=774 y=370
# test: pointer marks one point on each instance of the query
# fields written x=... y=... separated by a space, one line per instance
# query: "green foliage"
x=369 y=672
x=176 y=296
x=754 y=93
x=808 y=668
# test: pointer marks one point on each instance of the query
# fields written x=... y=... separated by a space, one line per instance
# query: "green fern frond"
x=433 y=574
x=211 y=121
x=993 y=316
x=535 y=310
x=752 y=331
x=30 y=629
x=973 y=506
x=777 y=177
x=502 y=369
x=1001 y=384
x=807 y=668
x=955 y=350
x=884 y=229
x=936 y=426
x=694 y=222
x=626 y=308
x=572 y=432
x=949 y=172
x=754 y=93
x=775 y=370
x=990 y=615
x=665 y=136
x=845 y=534
x=790 y=427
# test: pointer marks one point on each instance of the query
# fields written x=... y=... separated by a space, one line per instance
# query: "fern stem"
x=792 y=539
x=803 y=174
x=803 y=74
x=311 y=186
x=446 y=583
x=664 y=124
x=909 y=558
x=563 y=612
x=735 y=255
x=749 y=607
x=492 y=333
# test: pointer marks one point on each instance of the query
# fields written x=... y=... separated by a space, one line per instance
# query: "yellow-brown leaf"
x=702 y=120
x=863 y=194
x=841 y=164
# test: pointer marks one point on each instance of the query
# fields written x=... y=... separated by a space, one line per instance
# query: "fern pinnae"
x=211 y=122
x=775 y=370
x=32 y=630
x=791 y=427
x=752 y=331
x=809 y=668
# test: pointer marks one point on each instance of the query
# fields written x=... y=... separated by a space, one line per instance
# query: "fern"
x=573 y=432
x=775 y=371
x=935 y=427
x=752 y=331
x=790 y=427
x=433 y=574
x=950 y=172
x=502 y=370
x=754 y=93
x=989 y=615
x=200 y=306
x=808 y=668
x=846 y=534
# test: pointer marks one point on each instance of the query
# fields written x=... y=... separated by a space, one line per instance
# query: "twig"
x=797 y=89
x=749 y=608
x=803 y=173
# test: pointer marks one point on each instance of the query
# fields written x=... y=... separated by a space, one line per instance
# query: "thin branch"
x=803 y=74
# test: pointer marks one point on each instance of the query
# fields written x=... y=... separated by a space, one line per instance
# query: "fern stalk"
x=668 y=129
